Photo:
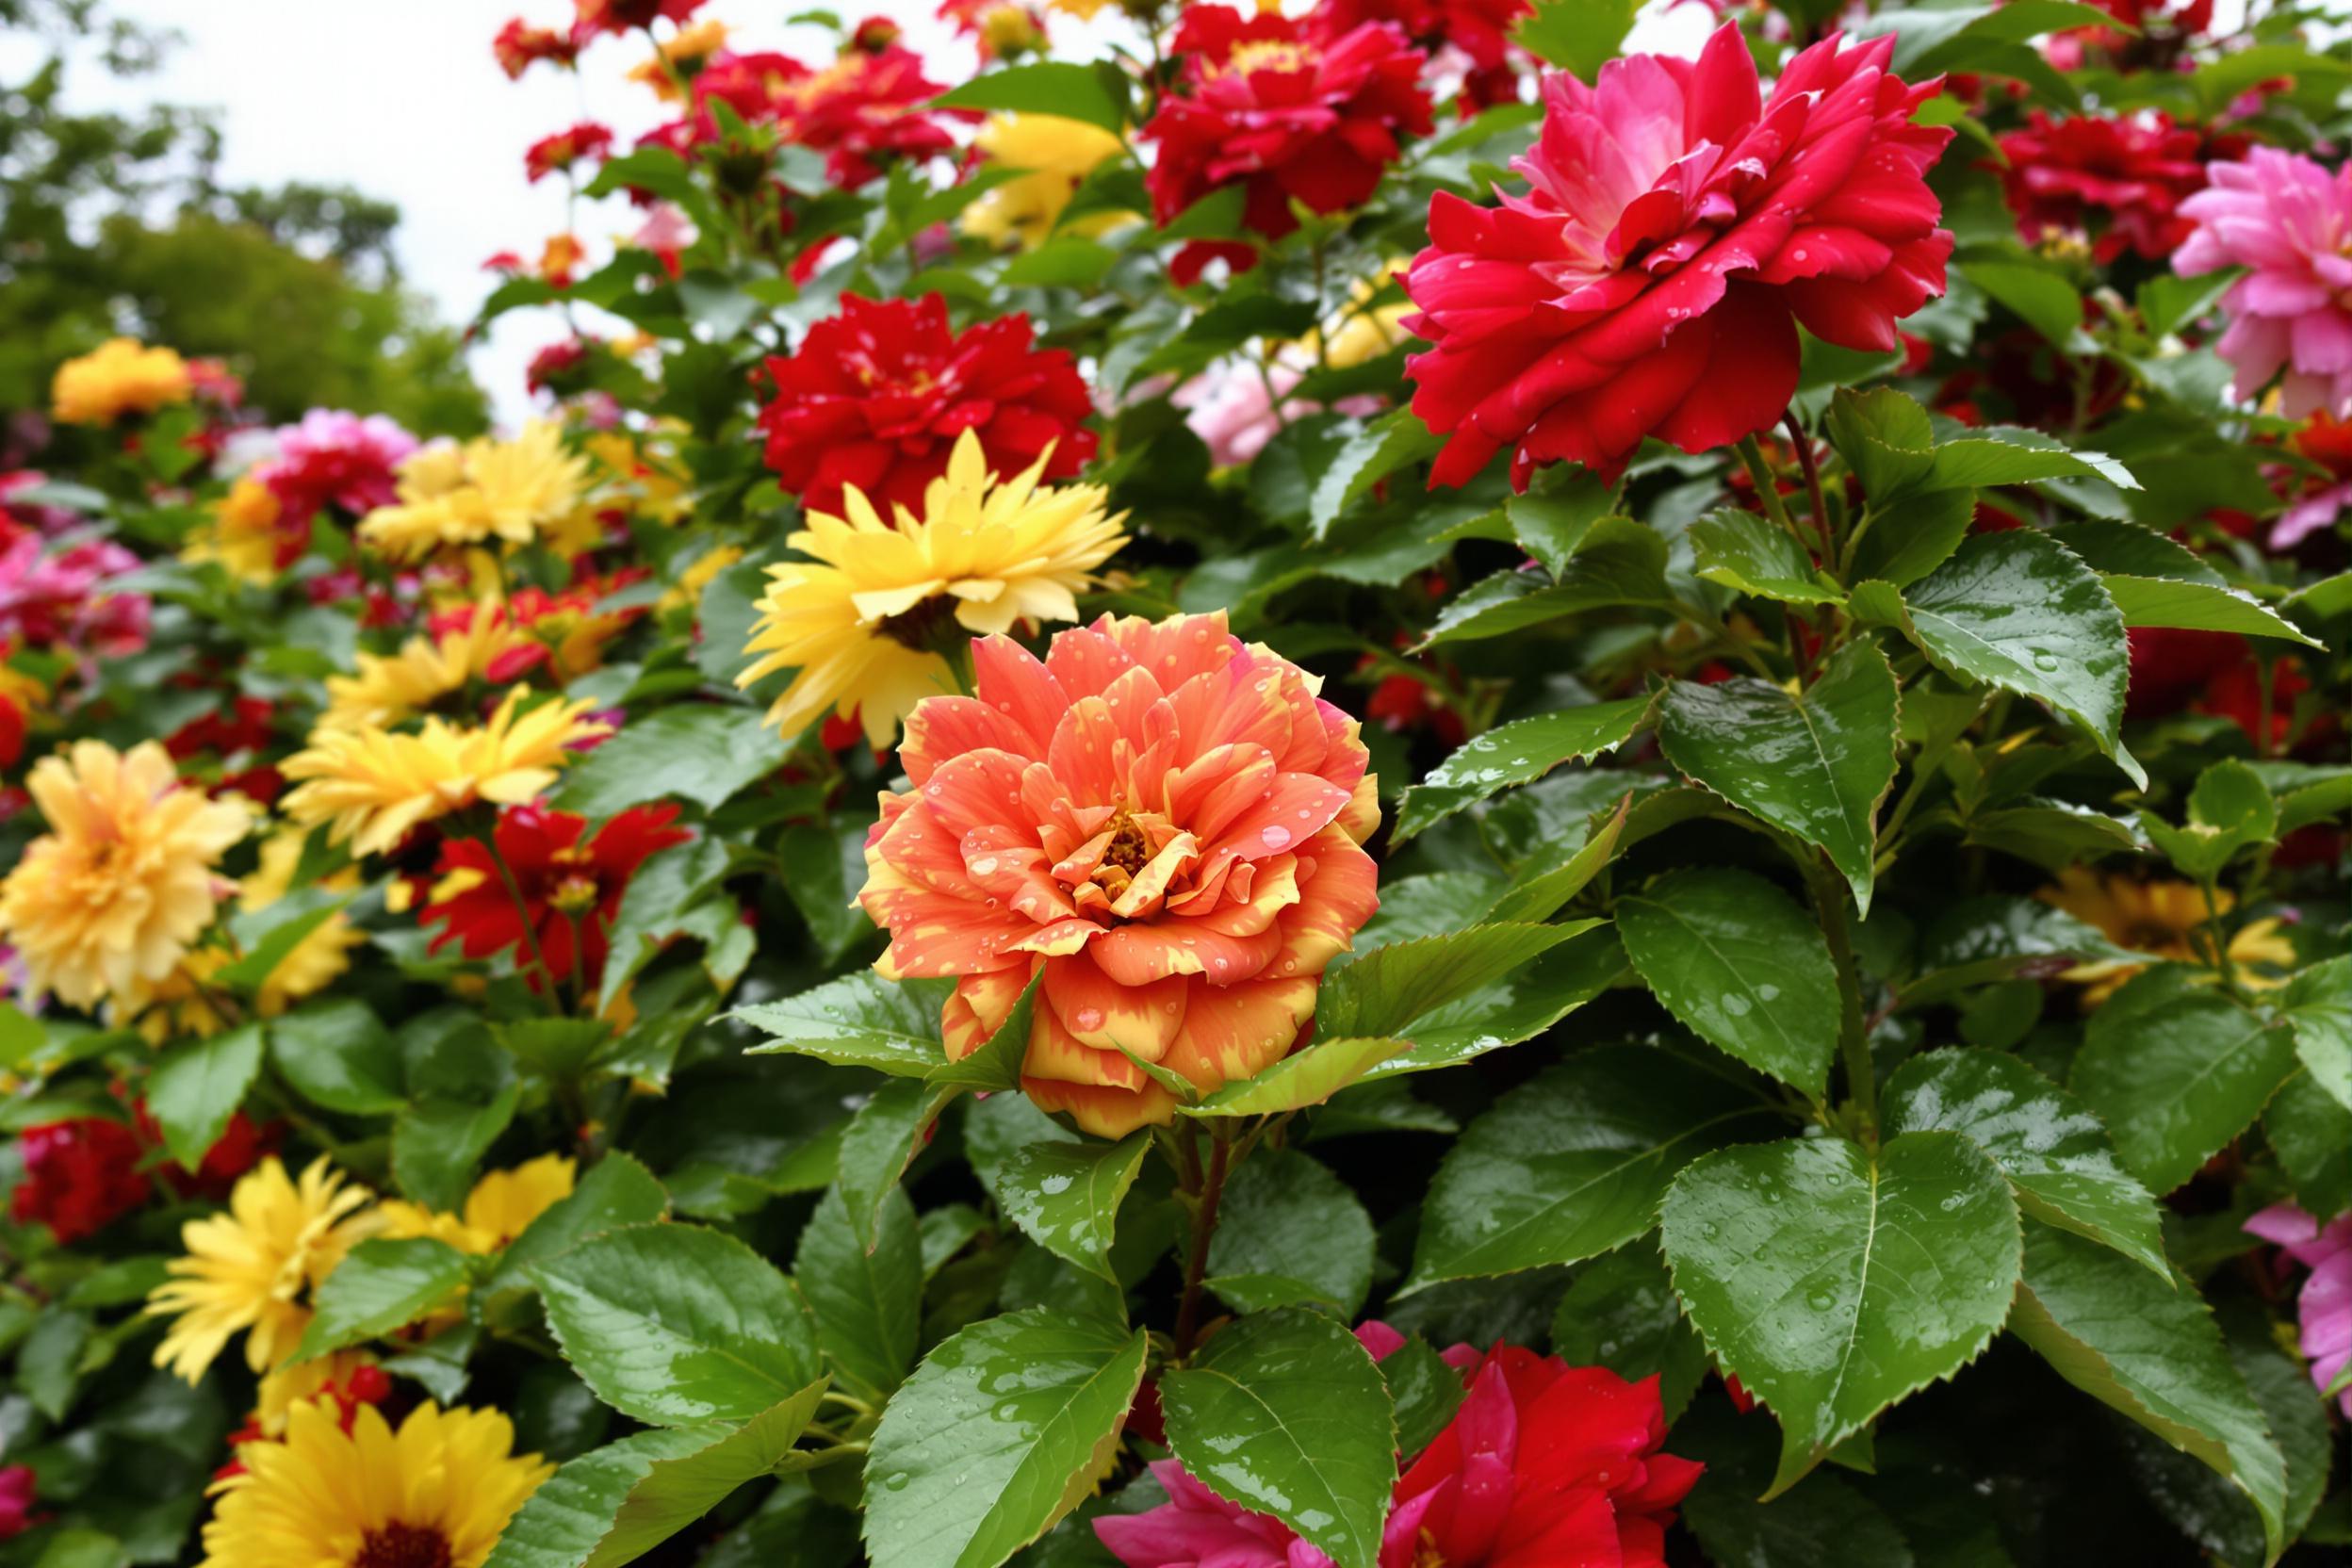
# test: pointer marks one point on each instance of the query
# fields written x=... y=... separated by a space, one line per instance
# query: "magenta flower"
x=59 y=597
x=334 y=456
x=2289 y=219
x=2325 y=1304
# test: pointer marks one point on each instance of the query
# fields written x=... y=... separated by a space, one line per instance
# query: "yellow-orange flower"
x=106 y=903
x=686 y=593
x=510 y=490
x=120 y=376
x=679 y=56
x=863 y=620
x=1057 y=154
x=1162 y=821
x=243 y=533
x=1084 y=10
x=390 y=688
x=436 y=1494
x=497 y=1211
x=2165 y=920
x=301 y=1383
x=250 y=1268
x=371 y=786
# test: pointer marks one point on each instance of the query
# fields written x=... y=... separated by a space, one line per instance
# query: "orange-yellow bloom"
x=2168 y=921
x=106 y=903
x=120 y=376
x=1163 y=820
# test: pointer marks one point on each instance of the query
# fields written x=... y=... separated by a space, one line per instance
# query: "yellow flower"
x=500 y=1205
x=1006 y=30
x=251 y=1267
x=1365 y=331
x=243 y=535
x=392 y=687
x=649 y=481
x=686 y=593
x=2165 y=921
x=863 y=621
x=512 y=491
x=321 y=956
x=371 y=786
x=106 y=903
x=118 y=377
x=1059 y=154
x=436 y=1494
x=680 y=56
x=301 y=1383
x=1084 y=10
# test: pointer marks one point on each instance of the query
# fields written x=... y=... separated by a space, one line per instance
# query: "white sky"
x=404 y=102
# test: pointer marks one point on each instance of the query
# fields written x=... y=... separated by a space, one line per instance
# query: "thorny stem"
x=1204 y=1227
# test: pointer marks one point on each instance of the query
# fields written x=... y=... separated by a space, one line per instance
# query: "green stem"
x=1854 y=1038
x=1211 y=1189
x=489 y=841
x=1767 y=487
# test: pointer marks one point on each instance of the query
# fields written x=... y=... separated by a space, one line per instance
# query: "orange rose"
x=1164 y=820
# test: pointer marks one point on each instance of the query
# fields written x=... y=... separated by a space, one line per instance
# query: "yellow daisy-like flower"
x=497 y=1211
x=635 y=471
x=243 y=535
x=301 y=1383
x=119 y=377
x=864 y=620
x=106 y=903
x=679 y=57
x=1057 y=154
x=252 y=1267
x=372 y=785
x=511 y=491
x=2166 y=920
x=390 y=688
x=436 y=1494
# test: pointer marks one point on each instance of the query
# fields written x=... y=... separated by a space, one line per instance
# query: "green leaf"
x=1305 y=1078
x=1285 y=1413
x=2150 y=1350
x=289 y=919
x=1519 y=1006
x=1733 y=957
x=1991 y=937
x=2317 y=1005
x=994 y=1066
x=562 y=1524
x=1619 y=563
x=2311 y=1134
x=1517 y=753
x=2017 y=610
x=1066 y=1196
x=1390 y=988
x=1835 y=1283
x=1551 y=524
x=437 y=1142
x=1744 y=551
x=2041 y=298
x=860 y=1019
x=701 y=752
x=1572 y=1165
x=2111 y=548
x=49 y=1361
x=1885 y=438
x=1005 y=1429
x=2005 y=454
x=1538 y=890
x=381 y=1285
x=676 y=1325
x=196 y=1086
x=2056 y=1153
x=868 y=1303
x=1426 y=1392
x=1911 y=536
x=1046 y=87
x=2147 y=601
x=1815 y=764
x=1620 y=1312
x=2177 y=1080
x=1577 y=34
x=1290 y=1233
x=1387 y=444
x=615 y=1193
x=881 y=1140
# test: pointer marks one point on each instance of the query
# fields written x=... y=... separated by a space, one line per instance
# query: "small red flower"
x=864 y=109
x=519 y=46
x=1479 y=30
x=876 y=396
x=1290 y=109
x=570 y=887
x=555 y=155
x=2134 y=170
x=16 y=1501
x=557 y=368
x=80 y=1176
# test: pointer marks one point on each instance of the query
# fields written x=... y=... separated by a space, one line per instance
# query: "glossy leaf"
x=1305 y=1078
x=1381 y=448
x=1426 y=1392
x=1746 y=552
x=1517 y=753
x=381 y=1286
x=1004 y=1430
x=1551 y=524
x=858 y=1020
x=613 y=1193
x=2177 y=1079
x=2198 y=607
x=1519 y=1006
x=1290 y=1233
x=1620 y=1312
x=1816 y=763
x=867 y=1302
x=2056 y=1153
x=1066 y=1196
x=1733 y=957
x=676 y=1325
x=196 y=1086
x=2149 y=1348
x=1285 y=1413
x=701 y=752
x=876 y=1147
x=1572 y=1165
x=1835 y=1281
x=1388 y=991
x=2317 y=1005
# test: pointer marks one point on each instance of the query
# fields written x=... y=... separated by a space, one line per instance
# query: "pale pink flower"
x=1231 y=407
x=2325 y=1304
x=2290 y=221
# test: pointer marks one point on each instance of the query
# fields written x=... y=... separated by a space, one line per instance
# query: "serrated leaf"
x=2056 y=1153
x=1004 y=1430
x=1305 y=1078
x=196 y=1086
x=2176 y=1080
x=615 y=1193
x=381 y=1285
x=1290 y=1233
x=2317 y=1005
x=1066 y=1196
x=1551 y=525
x=562 y=1522
x=1619 y=563
x=1517 y=753
x=1815 y=764
x=1519 y=1006
x=1572 y=1165
x=866 y=1301
x=1538 y=890
x=1733 y=957
x=877 y=1145
x=2147 y=601
x=1387 y=990
x=1285 y=1413
x=1387 y=444
x=2150 y=1350
x=860 y=1019
x=1746 y=552
x=676 y=1325
x=1835 y=1281
x=700 y=752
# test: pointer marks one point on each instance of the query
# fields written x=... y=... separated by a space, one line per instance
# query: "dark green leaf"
x=701 y=752
x=1517 y=753
x=1289 y=1232
x=381 y=1285
x=1066 y=1196
x=868 y=1303
x=196 y=1086
x=860 y=1019
x=1744 y=551
x=2177 y=1080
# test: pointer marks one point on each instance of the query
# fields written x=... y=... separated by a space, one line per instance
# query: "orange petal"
x=1336 y=896
x=1087 y=660
x=1176 y=649
x=1273 y=890
x=1105 y=1113
x=1288 y=811
x=978 y=789
x=1139 y=955
x=1088 y=755
x=1058 y=1056
x=1099 y=1012
x=978 y=1008
x=1233 y=1031
x=944 y=727
x=1010 y=679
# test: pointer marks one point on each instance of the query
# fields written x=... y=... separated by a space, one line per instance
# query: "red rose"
x=1676 y=229
x=1289 y=108
x=876 y=396
x=1480 y=29
x=2137 y=171
x=80 y=1176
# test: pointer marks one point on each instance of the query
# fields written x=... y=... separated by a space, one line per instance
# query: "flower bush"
x=1354 y=785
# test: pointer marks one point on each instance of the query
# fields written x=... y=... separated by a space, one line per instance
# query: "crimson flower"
x=555 y=155
x=876 y=396
x=16 y=1501
x=571 y=886
x=1287 y=108
x=1479 y=30
x=627 y=16
x=863 y=109
x=80 y=1176
x=1676 y=228
x=331 y=456
x=2136 y=170
x=518 y=46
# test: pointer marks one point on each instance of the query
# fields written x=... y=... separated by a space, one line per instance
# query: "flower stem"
x=1767 y=488
x=1211 y=1188
x=522 y=914
x=1812 y=482
x=1854 y=1038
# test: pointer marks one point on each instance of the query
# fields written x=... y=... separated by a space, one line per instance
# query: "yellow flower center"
x=403 y=1546
x=1268 y=55
x=1124 y=856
